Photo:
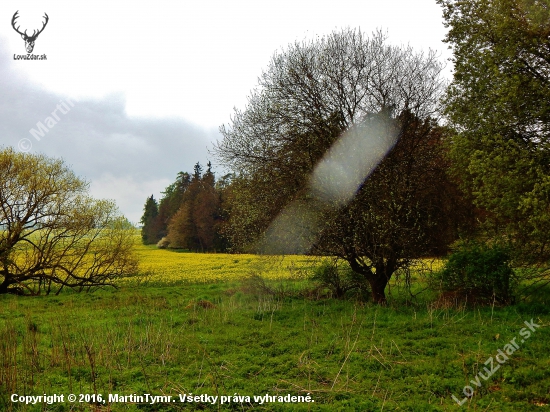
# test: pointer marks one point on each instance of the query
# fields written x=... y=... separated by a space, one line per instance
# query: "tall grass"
x=252 y=339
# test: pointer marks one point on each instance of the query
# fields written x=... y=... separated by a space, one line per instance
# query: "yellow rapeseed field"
x=169 y=266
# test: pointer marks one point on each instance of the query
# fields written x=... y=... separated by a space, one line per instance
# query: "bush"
x=340 y=280
x=478 y=273
x=163 y=243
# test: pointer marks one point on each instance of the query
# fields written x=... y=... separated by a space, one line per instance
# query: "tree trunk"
x=378 y=286
x=4 y=286
x=378 y=283
x=379 y=279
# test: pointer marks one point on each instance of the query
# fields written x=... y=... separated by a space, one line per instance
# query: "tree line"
x=345 y=111
x=348 y=147
x=190 y=213
x=354 y=148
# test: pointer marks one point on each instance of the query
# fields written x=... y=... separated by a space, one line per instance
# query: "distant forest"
x=190 y=213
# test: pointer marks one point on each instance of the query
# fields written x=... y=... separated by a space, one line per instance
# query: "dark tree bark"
x=4 y=286
x=378 y=286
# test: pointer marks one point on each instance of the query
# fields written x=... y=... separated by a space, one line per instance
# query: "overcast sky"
x=151 y=82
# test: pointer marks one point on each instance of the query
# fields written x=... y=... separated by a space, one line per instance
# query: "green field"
x=206 y=324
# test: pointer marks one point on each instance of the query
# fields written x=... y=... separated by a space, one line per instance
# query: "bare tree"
x=313 y=94
x=330 y=83
x=52 y=234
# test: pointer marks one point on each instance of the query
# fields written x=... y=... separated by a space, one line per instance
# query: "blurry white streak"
x=334 y=182
x=351 y=159
x=293 y=230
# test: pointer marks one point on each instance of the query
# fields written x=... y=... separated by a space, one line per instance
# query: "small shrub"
x=477 y=273
x=340 y=280
x=255 y=285
x=163 y=243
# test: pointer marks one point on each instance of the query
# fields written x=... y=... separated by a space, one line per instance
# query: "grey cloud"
x=96 y=137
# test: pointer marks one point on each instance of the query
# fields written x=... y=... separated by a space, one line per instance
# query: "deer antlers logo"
x=29 y=40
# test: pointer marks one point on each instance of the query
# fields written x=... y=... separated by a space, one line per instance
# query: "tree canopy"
x=52 y=234
x=313 y=99
x=499 y=107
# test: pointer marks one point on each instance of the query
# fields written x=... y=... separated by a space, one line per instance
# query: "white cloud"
x=130 y=194
x=194 y=59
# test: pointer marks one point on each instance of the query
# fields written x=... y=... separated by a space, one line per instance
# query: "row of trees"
x=341 y=149
x=189 y=215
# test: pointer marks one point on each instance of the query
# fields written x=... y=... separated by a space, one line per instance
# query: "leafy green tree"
x=150 y=230
x=171 y=201
x=52 y=234
x=499 y=106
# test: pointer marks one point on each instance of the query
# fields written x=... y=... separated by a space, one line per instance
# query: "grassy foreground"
x=239 y=339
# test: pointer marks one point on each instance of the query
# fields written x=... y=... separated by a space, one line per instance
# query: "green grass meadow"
x=244 y=338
